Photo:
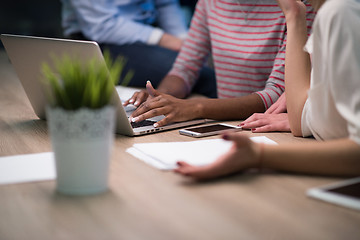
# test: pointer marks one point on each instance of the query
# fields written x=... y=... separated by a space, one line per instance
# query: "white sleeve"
x=155 y=36
x=343 y=62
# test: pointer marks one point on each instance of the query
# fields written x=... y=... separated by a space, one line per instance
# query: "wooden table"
x=146 y=203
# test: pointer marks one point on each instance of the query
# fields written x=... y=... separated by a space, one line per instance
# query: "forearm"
x=297 y=73
x=230 y=109
x=338 y=157
x=170 y=42
x=174 y=86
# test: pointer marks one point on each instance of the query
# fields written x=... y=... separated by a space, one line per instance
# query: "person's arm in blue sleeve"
x=100 y=21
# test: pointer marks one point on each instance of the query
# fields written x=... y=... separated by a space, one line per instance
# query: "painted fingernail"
x=225 y=136
x=156 y=125
x=241 y=124
x=253 y=129
x=136 y=103
x=131 y=100
x=135 y=119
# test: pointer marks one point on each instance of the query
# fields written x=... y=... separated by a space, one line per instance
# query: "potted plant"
x=81 y=120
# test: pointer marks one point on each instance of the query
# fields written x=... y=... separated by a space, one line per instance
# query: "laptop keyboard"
x=142 y=123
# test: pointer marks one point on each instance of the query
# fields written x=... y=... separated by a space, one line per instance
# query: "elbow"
x=296 y=132
x=295 y=127
x=93 y=35
x=97 y=33
x=295 y=122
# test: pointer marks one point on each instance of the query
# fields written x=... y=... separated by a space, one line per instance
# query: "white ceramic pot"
x=82 y=141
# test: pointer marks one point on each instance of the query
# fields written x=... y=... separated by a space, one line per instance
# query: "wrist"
x=260 y=157
x=258 y=160
x=296 y=23
x=198 y=107
x=295 y=13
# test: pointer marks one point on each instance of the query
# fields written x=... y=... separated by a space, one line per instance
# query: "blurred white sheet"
x=164 y=155
x=27 y=168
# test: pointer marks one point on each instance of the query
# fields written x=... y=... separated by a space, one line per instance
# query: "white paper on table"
x=201 y=152
x=126 y=92
x=27 y=168
x=147 y=159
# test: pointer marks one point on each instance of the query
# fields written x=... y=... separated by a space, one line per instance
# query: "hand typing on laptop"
x=138 y=98
x=157 y=103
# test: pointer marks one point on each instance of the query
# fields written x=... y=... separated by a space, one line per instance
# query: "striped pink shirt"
x=247 y=41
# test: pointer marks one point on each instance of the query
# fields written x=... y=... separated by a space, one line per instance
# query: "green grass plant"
x=74 y=84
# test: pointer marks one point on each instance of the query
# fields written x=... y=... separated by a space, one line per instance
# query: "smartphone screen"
x=351 y=190
x=211 y=128
x=345 y=193
x=208 y=130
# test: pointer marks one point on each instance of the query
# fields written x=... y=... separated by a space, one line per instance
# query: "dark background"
x=40 y=18
x=31 y=17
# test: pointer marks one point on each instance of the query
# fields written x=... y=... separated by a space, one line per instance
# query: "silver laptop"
x=27 y=53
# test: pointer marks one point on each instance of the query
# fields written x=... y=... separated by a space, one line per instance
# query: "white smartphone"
x=345 y=193
x=208 y=130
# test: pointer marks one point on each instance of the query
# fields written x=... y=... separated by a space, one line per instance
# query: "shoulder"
x=339 y=11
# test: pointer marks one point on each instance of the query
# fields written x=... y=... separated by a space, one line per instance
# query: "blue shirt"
x=123 y=21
